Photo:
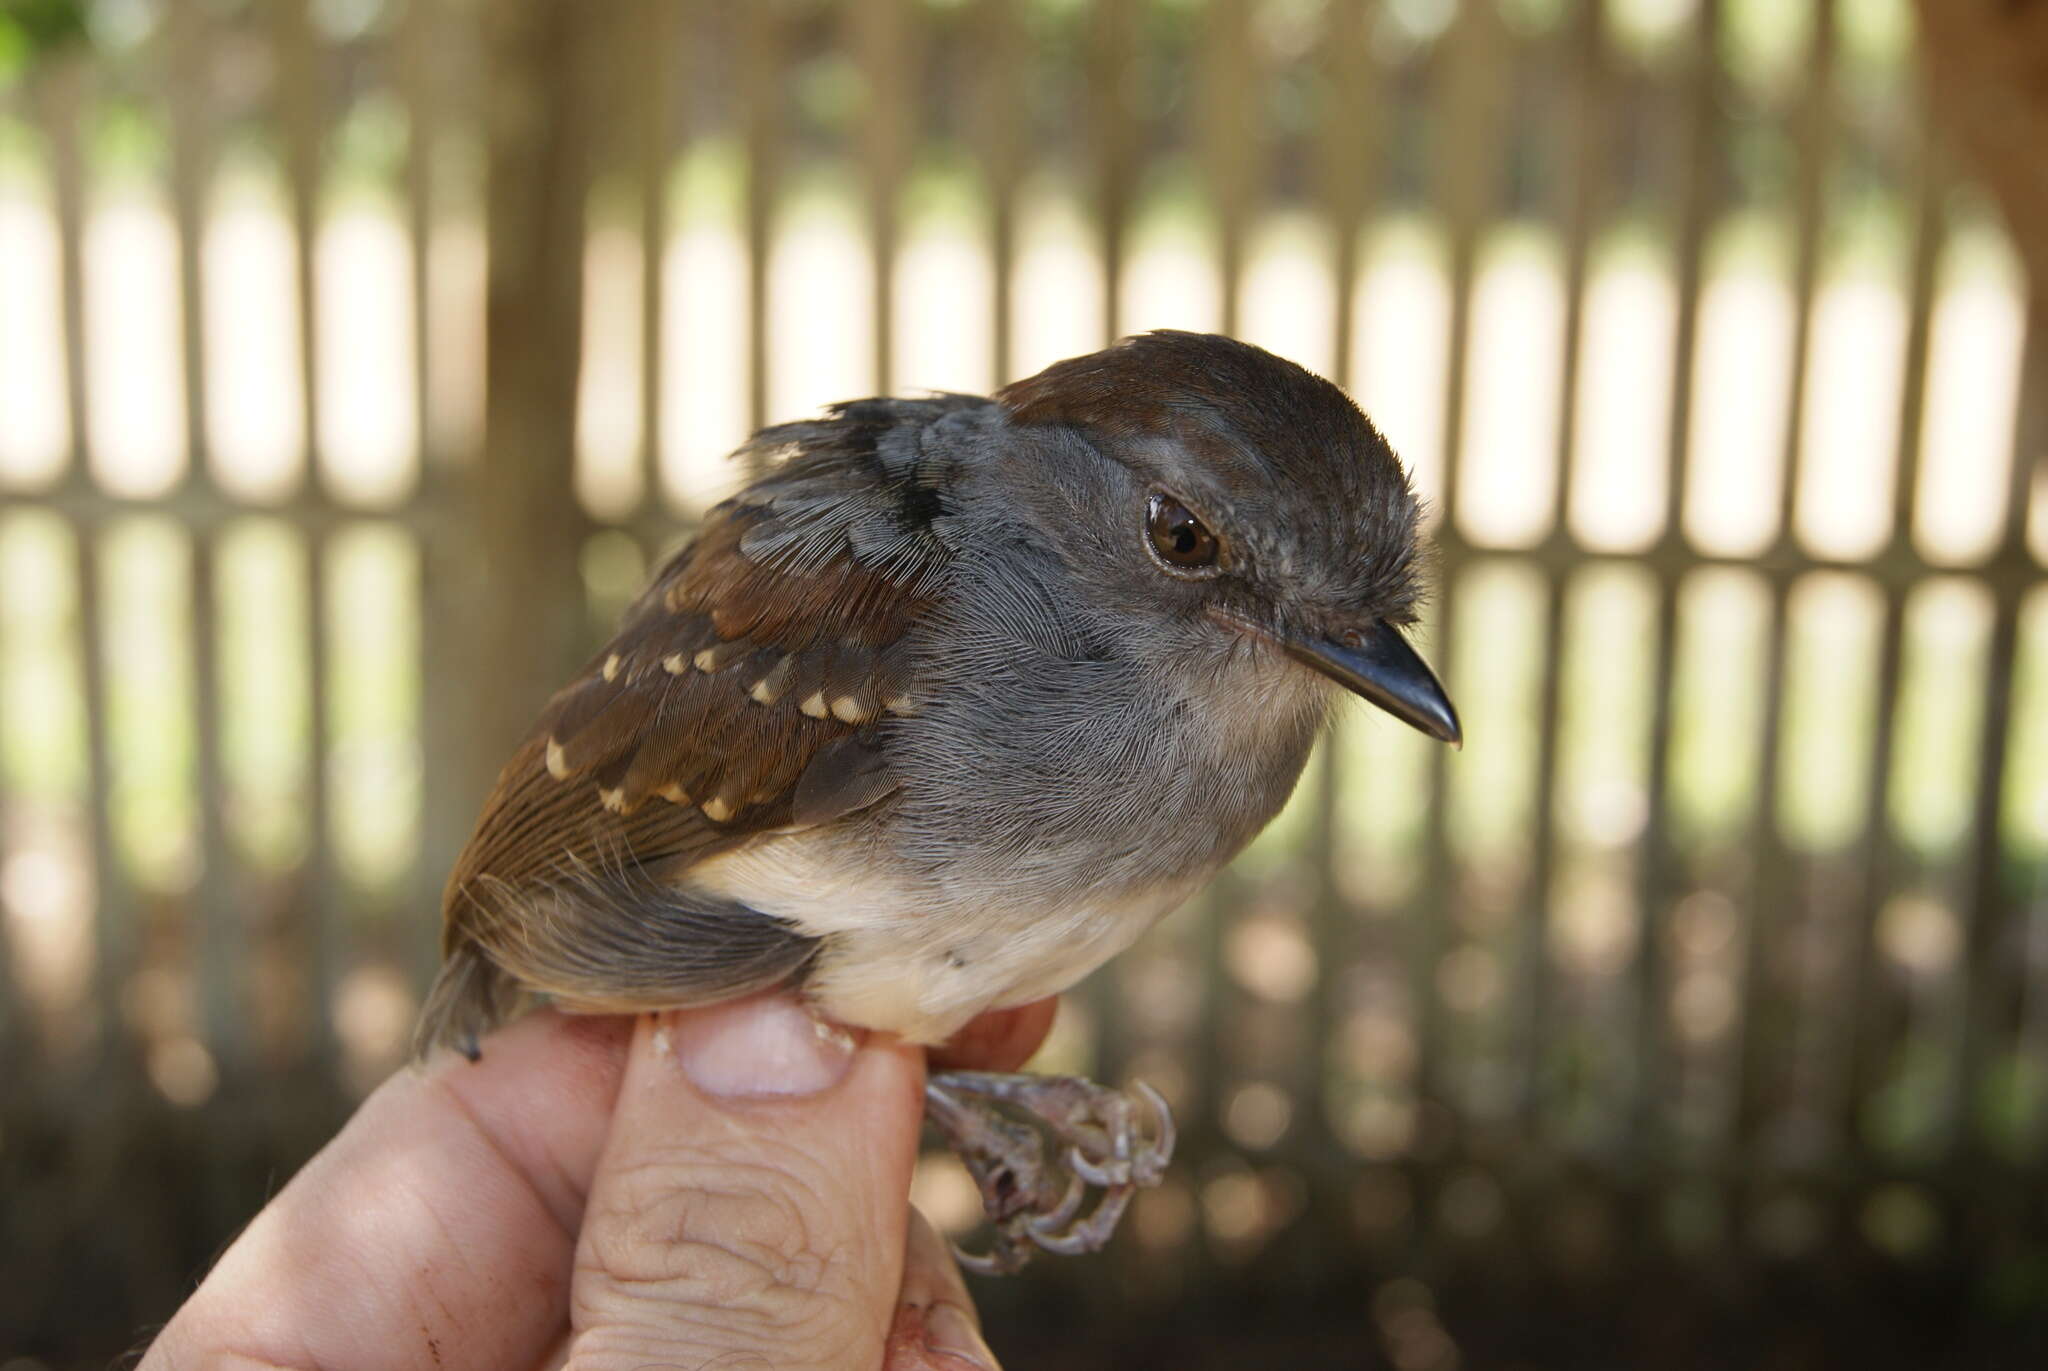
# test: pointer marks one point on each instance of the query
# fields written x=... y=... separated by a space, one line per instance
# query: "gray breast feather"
x=1050 y=761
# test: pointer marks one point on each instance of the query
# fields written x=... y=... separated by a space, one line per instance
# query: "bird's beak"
x=1377 y=662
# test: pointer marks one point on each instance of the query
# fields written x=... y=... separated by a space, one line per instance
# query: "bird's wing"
x=743 y=694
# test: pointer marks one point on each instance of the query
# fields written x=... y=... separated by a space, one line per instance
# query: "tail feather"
x=469 y=998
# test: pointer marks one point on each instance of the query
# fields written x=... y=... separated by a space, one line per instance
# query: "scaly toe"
x=1017 y=1133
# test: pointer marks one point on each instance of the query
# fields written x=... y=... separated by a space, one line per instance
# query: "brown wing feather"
x=764 y=646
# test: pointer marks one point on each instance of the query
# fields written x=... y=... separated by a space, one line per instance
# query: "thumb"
x=750 y=1205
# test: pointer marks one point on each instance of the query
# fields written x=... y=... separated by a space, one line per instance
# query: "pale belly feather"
x=903 y=957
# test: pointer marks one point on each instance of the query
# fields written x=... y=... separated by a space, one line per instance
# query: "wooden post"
x=1983 y=64
x=529 y=621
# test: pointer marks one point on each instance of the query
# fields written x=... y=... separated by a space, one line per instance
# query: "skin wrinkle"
x=567 y=1224
x=371 y=1277
x=606 y=1303
x=727 y=1232
x=773 y=1211
x=424 y=1283
x=404 y=1290
x=234 y=1359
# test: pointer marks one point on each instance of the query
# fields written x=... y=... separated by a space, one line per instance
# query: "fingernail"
x=949 y=1332
x=766 y=1046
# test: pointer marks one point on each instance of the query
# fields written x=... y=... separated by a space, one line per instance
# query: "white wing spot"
x=814 y=705
x=769 y=688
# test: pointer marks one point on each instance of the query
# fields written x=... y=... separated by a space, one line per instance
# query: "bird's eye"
x=1182 y=541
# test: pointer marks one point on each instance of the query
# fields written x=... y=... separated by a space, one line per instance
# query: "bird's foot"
x=1036 y=1145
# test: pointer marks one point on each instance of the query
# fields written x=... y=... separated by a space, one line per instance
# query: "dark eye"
x=1180 y=539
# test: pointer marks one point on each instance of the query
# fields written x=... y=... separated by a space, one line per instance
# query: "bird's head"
x=1248 y=497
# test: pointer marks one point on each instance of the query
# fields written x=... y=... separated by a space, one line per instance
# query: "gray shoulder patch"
x=844 y=777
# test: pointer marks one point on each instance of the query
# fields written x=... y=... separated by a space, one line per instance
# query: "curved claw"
x=1009 y=1130
x=1066 y=1244
x=1155 y=1157
x=994 y=1262
x=1115 y=1173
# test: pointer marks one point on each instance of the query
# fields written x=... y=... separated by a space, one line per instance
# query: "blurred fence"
x=1720 y=953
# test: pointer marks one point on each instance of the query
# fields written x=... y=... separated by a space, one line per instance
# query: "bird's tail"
x=470 y=997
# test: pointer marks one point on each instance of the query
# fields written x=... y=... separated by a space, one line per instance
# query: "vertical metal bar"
x=1468 y=169
x=1929 y=239
x=19 y=1058
x=656 y=36
x=2032 y=1031
x=533 y=529
x=186 y=89
x=1113 y=129
x=1859 y=987
x=1698 y=201
x=1814 y=122
x=1588 y=100
x=417 y=42
x=1228 y=137
x=1989 y=904
x=1352 y=155
x=1468 y=172
x=1588 y=129
x=61 y=97
x=1001 y=133
x=885 y=39
x=1349 y=155
x=302 y=111
x=221 y=937
x=298 y=111
x=1812 y=133
x=761 y=50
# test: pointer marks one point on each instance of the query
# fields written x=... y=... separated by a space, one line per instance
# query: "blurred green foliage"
x=29 y=29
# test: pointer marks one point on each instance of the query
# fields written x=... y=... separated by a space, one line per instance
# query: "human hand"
x=722 y=1187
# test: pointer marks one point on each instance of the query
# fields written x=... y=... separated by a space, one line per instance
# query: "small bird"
x=944 y=710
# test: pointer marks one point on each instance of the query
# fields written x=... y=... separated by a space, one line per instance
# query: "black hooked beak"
x=1377 y=662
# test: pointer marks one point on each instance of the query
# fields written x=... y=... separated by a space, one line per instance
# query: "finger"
x=1000 y=1040
x=936 y=1328
x=750 y=1204
x=436 y=1230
